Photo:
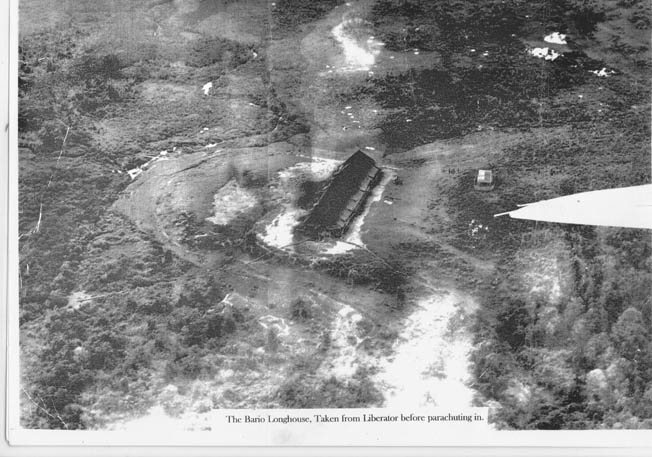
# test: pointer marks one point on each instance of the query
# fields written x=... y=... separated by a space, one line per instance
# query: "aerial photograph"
x=302 y=204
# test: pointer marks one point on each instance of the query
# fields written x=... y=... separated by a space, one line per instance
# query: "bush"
x=289 y=15
x=630 y=336
x=513 y=322
x=98 y=67
x=366 y=268
x=209 y=51
x=106 y=350
x=303 y=391
x=189 y=363
x=198 y=328
x=300 y=309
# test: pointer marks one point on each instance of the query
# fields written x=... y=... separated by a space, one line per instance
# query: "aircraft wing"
x=623 y=207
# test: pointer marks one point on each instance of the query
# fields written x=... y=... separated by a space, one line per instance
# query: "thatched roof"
x=344 y=195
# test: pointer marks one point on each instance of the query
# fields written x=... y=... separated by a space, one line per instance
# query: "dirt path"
x=338 y=54
x=427 y=366
x=430 y=363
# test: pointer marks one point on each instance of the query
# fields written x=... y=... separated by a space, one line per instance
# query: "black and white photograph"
x=376 y=206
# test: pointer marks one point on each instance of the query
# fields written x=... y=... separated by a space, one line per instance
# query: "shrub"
x=303 y=391
x=289 y=15
x=209 y=51
x=100 y=67
x=300 y=309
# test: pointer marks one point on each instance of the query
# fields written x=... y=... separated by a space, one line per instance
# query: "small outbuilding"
x=484 y=181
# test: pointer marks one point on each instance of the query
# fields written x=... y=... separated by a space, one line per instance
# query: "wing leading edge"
x=623 y=207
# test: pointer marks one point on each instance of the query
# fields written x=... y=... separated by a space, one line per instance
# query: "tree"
x=513 y=323
x=629 y=334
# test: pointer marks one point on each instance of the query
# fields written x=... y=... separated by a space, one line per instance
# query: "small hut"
x=484 y=181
